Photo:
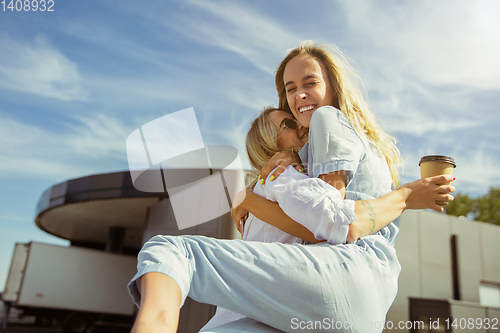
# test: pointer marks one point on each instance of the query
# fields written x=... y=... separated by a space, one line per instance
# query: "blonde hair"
x=262 y=142
x=350 y=99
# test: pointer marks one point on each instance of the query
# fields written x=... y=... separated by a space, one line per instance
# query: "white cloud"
x=38 y=68
x=98 y=136
x=421 y=91
x=476 y=172
x=426 y=62
x=169 y=78
x=225 y=100
x=32 y=151
x=430 y=65
x=238 y=28
x=111 y=39
x=141 y=94
x=234 y=135
x=441 y=43
x=423 y=111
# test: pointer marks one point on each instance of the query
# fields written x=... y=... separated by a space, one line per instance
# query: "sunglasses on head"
x=288 y=123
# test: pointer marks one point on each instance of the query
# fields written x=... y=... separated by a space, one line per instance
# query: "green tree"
x=461 y=206
x=488 y=207
x=485 y=208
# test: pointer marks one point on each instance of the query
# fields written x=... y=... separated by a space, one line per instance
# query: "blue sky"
x=74 y=83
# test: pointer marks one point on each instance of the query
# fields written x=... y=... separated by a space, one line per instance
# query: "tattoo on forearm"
x=371 y=214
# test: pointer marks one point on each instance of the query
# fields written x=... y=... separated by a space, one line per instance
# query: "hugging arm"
x=311 y=209
x=375 y=214
x=270 y=212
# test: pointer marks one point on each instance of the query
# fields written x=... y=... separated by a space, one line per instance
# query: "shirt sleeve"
x=334 y=144
x=313 y=203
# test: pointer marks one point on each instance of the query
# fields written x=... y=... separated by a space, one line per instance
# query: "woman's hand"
x=280 y=161
x=425 y=193
x=239 y=209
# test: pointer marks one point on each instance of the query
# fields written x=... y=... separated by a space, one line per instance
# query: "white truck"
x=74 y=286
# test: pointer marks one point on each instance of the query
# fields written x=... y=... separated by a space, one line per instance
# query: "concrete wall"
x=424 y=251
x=161 y=221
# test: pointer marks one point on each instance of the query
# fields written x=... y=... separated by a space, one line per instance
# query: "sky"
x=77 y=81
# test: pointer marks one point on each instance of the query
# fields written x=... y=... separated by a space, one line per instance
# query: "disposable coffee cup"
x=435 y=165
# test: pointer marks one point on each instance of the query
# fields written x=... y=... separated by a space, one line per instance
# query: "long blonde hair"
x=350 y=99
x=262 y=142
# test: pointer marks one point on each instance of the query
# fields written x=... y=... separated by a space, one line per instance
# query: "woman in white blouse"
x=277 y=283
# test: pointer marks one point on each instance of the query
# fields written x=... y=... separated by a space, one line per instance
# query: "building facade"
x=450 y=266
x=450 y=271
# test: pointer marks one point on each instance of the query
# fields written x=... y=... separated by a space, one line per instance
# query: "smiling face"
x=307 y=87
x=288 y=137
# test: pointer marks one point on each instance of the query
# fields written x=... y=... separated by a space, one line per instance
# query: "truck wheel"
x=43 y=321
x=77 y=323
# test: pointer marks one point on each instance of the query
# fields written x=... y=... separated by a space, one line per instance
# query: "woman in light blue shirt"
x=289 y=286
x=273 y=131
